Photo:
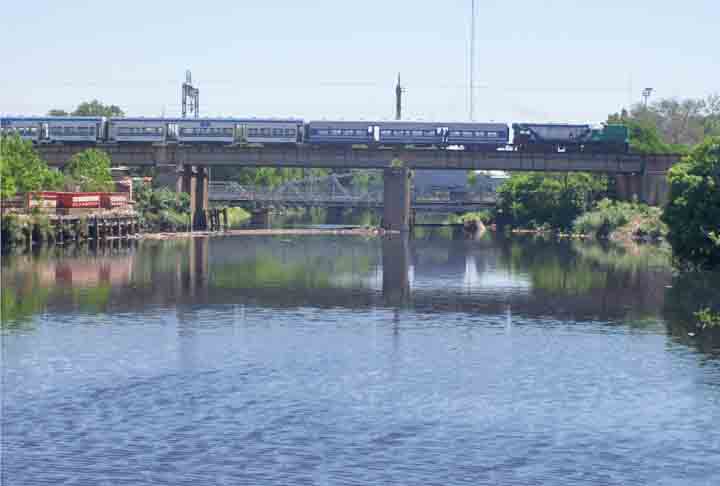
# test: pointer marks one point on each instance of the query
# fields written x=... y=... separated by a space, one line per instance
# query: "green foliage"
x=677 y=123
x=535 y=200
x=707 y=319
x=397 y=164
x=56 y=112
x=96 y=108
x=631 y=219
x=90 y=170
x=162 y=209
x=693 y=213
x=237 y=216
x=22 y=170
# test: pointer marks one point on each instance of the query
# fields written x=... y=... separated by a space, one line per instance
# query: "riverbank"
x=367 y=232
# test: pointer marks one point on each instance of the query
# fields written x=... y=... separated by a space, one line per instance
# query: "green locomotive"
x=536 y=137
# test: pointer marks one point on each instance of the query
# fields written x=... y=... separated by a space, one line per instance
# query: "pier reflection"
x=433 y=273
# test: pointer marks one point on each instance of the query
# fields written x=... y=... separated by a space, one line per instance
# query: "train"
x=485 y=137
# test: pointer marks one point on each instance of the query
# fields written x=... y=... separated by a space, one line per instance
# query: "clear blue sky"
x=549 y=60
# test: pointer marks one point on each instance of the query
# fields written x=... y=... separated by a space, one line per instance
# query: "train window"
x=417 y=133
x=252 y=132
x=428 y=133
x=265 y=131
x=468 y=134
x=492 y=134
x=386 y=132
x=277 y=132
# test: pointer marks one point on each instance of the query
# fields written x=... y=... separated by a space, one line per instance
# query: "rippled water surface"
x=341 y=360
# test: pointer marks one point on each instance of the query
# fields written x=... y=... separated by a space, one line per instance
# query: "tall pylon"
x=190 y=97
x=399 y=90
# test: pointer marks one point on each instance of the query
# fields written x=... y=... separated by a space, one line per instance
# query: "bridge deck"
x=370 y=158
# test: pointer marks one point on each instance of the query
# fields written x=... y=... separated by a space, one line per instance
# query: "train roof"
x=52 y=118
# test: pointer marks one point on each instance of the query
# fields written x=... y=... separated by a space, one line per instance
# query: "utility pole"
x=472 y=61
x=190 y=97
x=399 y=90
x=646 y=94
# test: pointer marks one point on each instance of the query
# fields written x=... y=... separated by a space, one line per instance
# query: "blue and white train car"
x=206 y=130
x=138 y=129
x=409 y=133
x=340 y=132
x=75 y=128
x=478 y=136
x=270 y=130
x=27 y=128
x=56 y=129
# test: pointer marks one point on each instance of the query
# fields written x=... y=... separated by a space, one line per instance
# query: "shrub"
x=693 y=212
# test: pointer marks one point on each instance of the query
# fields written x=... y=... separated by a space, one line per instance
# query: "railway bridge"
x=185 y=167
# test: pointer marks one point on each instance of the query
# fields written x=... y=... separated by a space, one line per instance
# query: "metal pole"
x=472 y=61
x=398 y=99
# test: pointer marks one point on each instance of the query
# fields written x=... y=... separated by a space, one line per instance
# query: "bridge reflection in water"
x=433 y=273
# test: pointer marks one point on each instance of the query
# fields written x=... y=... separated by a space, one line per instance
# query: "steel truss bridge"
x=330 y=192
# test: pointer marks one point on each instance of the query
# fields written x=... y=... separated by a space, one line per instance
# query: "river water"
x=345 y=360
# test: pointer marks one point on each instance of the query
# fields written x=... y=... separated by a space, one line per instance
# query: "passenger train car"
x=527 y=137
x=55 y=129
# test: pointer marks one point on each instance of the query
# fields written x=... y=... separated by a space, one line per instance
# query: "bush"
x=630 y=220
x=537 y=200
x=693 y=211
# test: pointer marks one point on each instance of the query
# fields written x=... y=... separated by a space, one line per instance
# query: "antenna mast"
x=472 y=61
x=190 y=97
x=399 y=90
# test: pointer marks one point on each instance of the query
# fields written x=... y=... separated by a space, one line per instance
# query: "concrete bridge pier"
x=334 y=215
x=201 y=196
x=260 y=218
x=650 y=188
x=629 y=187
x=396 y=199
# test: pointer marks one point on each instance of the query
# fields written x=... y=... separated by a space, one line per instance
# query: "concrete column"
x=655 y=189
x=396 y=199
x=201 y=199
x=334 y=215
x=189 y=183
x=628 y=186
x=260 y=218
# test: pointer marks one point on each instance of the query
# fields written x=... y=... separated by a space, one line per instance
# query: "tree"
x=678 y=121
x=693 y=213
x=57 y=112
x=22 y=170
x=96 y=108
x=537 y=199
x=90 y=170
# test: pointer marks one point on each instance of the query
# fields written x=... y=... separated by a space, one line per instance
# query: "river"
x=344 y=360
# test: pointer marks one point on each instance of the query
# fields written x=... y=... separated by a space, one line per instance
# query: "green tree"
x=96 y=108
x=57 y=112
x=90 y=170
x=22 y=170
x=693 y=213
x=532 y=200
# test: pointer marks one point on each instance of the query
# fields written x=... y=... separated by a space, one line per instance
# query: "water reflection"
x=433 y=272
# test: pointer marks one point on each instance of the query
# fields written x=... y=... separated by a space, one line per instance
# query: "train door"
x=43 y=132
x=374 y=133
x=240 y=133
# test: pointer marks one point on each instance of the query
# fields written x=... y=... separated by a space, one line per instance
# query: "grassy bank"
x=617 y=220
